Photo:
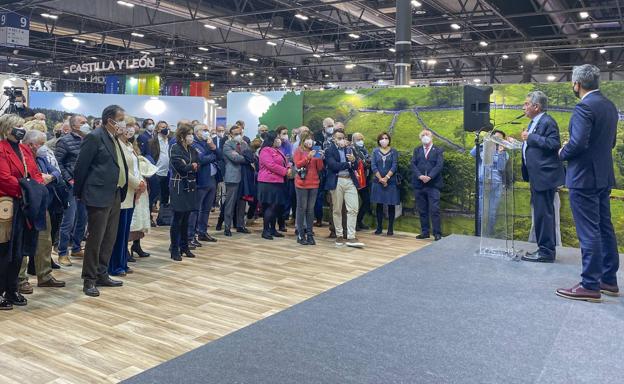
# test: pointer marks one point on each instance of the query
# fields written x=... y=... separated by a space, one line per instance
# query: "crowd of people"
x=101 y=183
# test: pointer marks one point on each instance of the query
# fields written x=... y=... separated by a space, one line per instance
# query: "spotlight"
x=210 y=26
x=505 y=57
x=317 y=55
x=301 y=17
x=271 y=43
x=531 y=56
x=603 y=51
x=78 y=41
x=551 y=78
x=455 y=26
x=350 y=66
x=392 y=50
x=171 y=62
x=354 y=36
x=416 y=3
x=253 y=59
x=593 y=35
x=483 y=43
x=136 y=34
x=203 y=49
x=584 y=15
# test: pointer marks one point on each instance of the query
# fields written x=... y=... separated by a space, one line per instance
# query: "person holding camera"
x=309 y=163
x=19 y=107
x=274 y=169
x=184 y=162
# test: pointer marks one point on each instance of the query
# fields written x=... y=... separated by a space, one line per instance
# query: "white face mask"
x=359 y=143
x=277 y=143
x=284 y=137
x=121 y=127
x=309 y=143
x=150 y=127
x=19 y=104
x=220 y=134
x=205 y=135
x=238 y=138
x=85 y=128
x=329 y=130
x=130 y=133
x=426 y=140
x=384 y=142
x=189 y=139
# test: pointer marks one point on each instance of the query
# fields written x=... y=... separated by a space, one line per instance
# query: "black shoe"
x=310 y=238
x=227 y=232
x=206 y=237
x=361 y=227
x=301 y=240
x=195 y=243
x=423 y=236
x=437 y=237
x=276 y=234
x=267 y=235
x=131 y=259
x=175 y=255
x=15 y=298
x=282 y=228
x=378 y=231
x=219 y=225
x=243 y=230
x=390 y=232
x=136 y=248
x=90 y=289
x=54 y=265
x=537 y=258
x=5 y=305
x=192 y=247
x=108 y=282
x=187 y=253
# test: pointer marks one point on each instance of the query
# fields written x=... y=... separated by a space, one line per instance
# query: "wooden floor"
x=166 y=309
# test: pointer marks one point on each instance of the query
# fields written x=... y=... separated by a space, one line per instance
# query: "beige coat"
x=134 y=177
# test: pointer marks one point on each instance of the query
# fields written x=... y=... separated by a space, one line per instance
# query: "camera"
x=13 y=92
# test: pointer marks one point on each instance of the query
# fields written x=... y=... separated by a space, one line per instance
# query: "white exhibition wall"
x=168 y=108
x=240 y=106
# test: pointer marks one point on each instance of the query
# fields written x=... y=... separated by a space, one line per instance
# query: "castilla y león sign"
x=113 y=65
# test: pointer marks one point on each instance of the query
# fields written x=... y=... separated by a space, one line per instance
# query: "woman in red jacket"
x=309 y=164
x=274 y=169
x=14 y=158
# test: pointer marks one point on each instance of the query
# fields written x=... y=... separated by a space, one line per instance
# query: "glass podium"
x=496 y=197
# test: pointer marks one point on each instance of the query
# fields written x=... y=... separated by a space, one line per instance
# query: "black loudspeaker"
x=477 y=108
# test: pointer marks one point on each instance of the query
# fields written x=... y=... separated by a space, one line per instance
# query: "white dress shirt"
x=532 y=126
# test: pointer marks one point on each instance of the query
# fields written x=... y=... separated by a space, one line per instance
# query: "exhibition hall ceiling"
x=239 y=43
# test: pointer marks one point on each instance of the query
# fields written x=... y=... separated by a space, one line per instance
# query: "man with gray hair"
x=589 y=178
x=543 y=170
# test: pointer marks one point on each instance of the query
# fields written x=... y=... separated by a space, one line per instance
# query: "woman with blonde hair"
x=39 y=125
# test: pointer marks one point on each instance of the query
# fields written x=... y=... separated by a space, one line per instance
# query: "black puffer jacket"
x=66 y=152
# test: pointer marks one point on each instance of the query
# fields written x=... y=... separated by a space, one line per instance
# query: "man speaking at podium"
x=590 y=178
x=543 y=170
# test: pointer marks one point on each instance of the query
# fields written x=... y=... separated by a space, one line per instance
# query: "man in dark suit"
x=543 y=170
x=146 y=135
x=101 y=183
x=219 y=142
x=427 y=162
x=590 y=178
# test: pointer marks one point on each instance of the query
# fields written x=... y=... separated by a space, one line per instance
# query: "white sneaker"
x=355 y=243
x=340 y=241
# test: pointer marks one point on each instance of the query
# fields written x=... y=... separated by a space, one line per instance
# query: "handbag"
x=360 y=174
x=6 y=218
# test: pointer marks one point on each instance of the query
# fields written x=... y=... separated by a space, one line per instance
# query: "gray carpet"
x=438 y=315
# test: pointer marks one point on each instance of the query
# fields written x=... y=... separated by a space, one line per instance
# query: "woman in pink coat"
x=274 y=168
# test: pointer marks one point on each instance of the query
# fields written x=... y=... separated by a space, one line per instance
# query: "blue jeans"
x=72 y=226
x=198 y=220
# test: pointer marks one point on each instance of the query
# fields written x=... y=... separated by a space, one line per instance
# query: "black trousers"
x=428 y=203
x=55 y=222
x=380 y=217
x=270 y=213
x=163 y=181
x=11 y=258
x=364 y=194
x=103 y=223
x=544 y=220
x=179 y=231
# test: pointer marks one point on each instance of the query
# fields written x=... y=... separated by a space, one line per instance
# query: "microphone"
x=519 y=117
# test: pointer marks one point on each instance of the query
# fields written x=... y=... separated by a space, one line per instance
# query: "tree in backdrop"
x=281 y=113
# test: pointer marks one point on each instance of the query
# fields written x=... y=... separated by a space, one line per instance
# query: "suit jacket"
x=12 y=169
x=431 y=166
x=143 y=141
x=220 y=142
x=233 y=161
x=96 y=171
x=542 y=168
x=333 y=164
x=593 y=127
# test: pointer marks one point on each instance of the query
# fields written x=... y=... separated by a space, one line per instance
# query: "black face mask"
x=263 y=135
x=576 y=93
x=18 y=133
x=164 y=131
x=58 y=134
x=131 y=140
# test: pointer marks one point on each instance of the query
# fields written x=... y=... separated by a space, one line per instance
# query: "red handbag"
x=360 y=174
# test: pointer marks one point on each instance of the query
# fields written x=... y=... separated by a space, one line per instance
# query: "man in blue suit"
x=146 y=135
x=543 y=170
x=427 y=162
x=590 y=177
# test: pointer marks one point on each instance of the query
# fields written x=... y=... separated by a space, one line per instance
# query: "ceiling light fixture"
x=93 y=58
x=350 y=66
x=317 y=55
x=210 y=26
x=455 y=26
x=301 y=17
x=171 y=62
x=136 y=34
x=145 y=52
x=531 y=56
x=432 y=61
x=416 y=3
x=203 y=49
x=78 y=41
x=205 y=68
x=125 y=4
x=603 y=51
x=271 y=43
x=584 y=15
x=505 y=57
x=593 y=35
x=200 y=62
x=609 y=62
x=12 y=65
x=551 y=78
x=196 y=74
x=233 y=73
x=36 y=73
x=253 y=59
x=476 y=80
x=483 y=43
x=354 y=35
x=66 y=71
x=392 y=50
x=49 y=16
x=448 y=69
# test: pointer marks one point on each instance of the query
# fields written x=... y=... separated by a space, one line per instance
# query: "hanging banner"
x=200 y=88
x=113 y=65
x=149 y=84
